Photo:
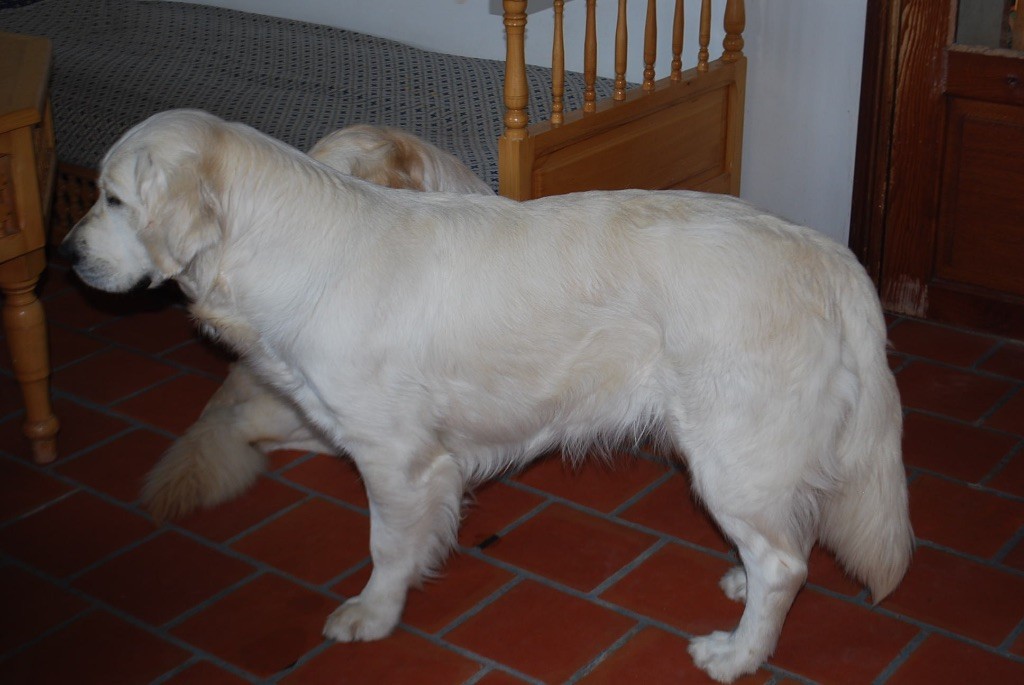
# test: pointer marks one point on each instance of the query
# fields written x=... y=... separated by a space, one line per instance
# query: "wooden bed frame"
x=682 y=131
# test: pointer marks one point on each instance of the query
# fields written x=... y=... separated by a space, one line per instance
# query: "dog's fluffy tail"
x=866 y=521
x=208 y=465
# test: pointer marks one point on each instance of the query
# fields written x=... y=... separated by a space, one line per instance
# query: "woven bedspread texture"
x=118 y=61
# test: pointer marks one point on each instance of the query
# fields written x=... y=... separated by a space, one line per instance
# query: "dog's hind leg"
x=414 y=518
x=774 y=569
x=753 y=487
x=217 y=458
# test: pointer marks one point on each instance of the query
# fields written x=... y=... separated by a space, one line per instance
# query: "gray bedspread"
x=118 y=61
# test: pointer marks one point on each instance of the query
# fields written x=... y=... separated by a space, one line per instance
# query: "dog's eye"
x=114 y=201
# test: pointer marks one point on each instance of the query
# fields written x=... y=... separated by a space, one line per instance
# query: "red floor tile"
x=32 y=606
x=163 y=577
x=71 y=534
x=68 y=346
x=96 y=649
x=825 y=571
x=280 y=459
x=1010 y=416
x=950 y=392
x=10 y=393
x=540 y=632
x=118 y=467
x=333 y=476
x=571 y=547
x=953 y=449
x=492 y=508
x=205 y=673
x=224 y=521
x=679 y=586
x=174 y=405
x=942 y=661
x=672 y=509
x=654 y=656
x=56 y=278
x=315 y=541
x=150 y=332
x=70 y=307
x=599 y=484
x=959 y=595
x=832 y=641
x=203 y=356
x=1007 y=361
x=463 y=582
x=940 y=343
x=108 y=376
x=957 y=516
x=263 y=627
x=22 y=489
x=399 y=658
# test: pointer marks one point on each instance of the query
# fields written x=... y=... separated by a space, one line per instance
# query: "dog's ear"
x=182 y=216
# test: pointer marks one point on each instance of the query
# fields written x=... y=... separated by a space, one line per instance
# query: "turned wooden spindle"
x=650 y=43
x=704 y=35
x=558 y=67
x=590 y=59
x=26 y=337
x=677 y=42
x=621 y=40
x=735 y=22
x=516 y=94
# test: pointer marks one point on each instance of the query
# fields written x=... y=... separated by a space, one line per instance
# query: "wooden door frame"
x=892 y=210
x=874 y=133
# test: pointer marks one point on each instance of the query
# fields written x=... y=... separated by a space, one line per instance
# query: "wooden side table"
x=26 y=187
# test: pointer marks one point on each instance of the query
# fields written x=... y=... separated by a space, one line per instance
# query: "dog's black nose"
x=68 y=251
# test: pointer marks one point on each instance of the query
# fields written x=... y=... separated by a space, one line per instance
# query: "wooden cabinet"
x=26 y=186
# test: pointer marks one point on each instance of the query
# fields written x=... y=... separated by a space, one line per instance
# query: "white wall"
x=803 y=85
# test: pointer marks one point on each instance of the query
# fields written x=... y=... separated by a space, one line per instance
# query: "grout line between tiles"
x=98 y=604
x=901 y=658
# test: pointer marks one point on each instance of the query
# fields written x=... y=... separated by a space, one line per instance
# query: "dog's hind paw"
x=359 y=621
x=721 y=658
x=734 y=584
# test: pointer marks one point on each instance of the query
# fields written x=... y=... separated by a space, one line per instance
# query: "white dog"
x=440 y=338
x=223 y=452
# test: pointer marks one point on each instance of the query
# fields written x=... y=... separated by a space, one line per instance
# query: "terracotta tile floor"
x=595 y=576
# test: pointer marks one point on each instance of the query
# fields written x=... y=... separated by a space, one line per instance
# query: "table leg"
x=25 y=326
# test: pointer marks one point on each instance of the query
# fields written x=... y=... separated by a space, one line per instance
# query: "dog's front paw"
x=358 y=620
x=721 y=658
x=734 y=584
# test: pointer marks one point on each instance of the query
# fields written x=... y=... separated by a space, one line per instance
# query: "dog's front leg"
x=414 y=518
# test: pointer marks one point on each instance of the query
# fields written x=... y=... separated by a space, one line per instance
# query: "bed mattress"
x=118 y=61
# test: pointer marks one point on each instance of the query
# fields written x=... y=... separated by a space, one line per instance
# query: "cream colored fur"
x=223 y=452
x=439 y=339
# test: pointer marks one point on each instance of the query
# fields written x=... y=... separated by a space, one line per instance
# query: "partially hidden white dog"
x=441 y=338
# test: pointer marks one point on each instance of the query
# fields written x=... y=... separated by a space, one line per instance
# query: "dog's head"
x=157 y=208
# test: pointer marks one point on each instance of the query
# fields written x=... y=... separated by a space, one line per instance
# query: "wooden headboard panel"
x=683 y=131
